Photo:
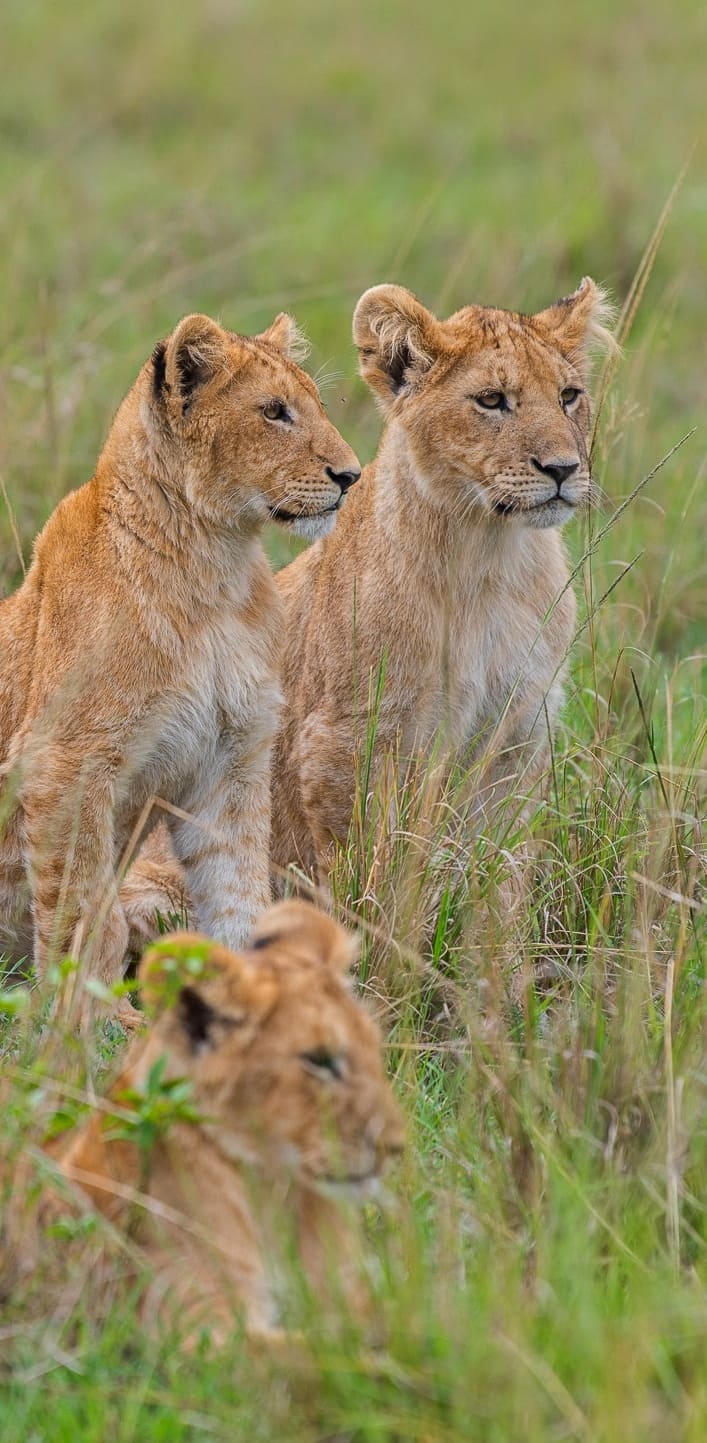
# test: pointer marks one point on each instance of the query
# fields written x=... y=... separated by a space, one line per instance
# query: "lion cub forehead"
x=274 y=370
x=488 y=326
x=503 y=347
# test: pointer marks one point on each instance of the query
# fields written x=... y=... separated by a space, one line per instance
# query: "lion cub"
x=293 y=1114
x=447 y=567
x=141 y=655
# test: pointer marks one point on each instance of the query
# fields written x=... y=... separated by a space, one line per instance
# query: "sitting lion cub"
x=446 y=573
x=141 y=655
x=293 y=1113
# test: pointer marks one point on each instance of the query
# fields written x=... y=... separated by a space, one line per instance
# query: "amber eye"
x=276 y=411
x=492 y=401
x=569 y=396
x=323 y=1063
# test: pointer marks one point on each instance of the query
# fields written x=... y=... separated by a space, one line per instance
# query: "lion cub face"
x=493 y=404
x=285 y=1063
x=249 y=428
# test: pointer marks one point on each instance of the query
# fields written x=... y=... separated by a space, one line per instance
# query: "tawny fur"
x=296 y=1116
x=446 y=567
x=141 y=655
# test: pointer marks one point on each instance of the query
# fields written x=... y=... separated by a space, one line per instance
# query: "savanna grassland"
x=541 y=1260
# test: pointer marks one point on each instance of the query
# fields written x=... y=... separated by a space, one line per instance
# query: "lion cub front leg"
x=68 y=829
x=224 y=846
x=326 y=760
x=332 y=1256
x=154 y=889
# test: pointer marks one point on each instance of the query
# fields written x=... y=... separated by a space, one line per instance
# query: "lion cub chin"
x=140 y=657
x=446 y=575
x=288 y=1102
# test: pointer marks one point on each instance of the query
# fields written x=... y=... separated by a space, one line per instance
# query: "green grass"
x=541 y=1266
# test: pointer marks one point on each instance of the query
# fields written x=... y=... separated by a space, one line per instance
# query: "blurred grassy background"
x=239 y=157
x=244 y=156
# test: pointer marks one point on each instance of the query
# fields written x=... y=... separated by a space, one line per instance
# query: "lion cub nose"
x=344 y=479
x=558 y=471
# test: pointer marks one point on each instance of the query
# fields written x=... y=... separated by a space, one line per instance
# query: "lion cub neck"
x=444 y=544
x=165 y=547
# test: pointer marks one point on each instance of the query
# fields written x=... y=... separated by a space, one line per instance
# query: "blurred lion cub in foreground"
x=293 y=1114
x=141 y=655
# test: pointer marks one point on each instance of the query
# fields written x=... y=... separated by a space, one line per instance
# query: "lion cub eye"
x=569 y=396
x=323 y=1063
x=492 y=401
x=276 y=411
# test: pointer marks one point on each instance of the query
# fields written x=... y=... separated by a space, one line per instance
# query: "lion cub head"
x=493 y=404
x=285 y=1063
x=243 y=430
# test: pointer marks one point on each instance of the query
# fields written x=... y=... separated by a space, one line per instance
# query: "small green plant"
x=156 y=1104
x=68 y=1228
x=172 y=963
x=171 y=922
x=13 y=1001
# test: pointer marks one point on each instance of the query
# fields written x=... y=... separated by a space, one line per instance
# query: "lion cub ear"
x=304 y=930
x=203 y=989
x=195 y=352
x=398 y=340
x=578 y=324
x=285 y=335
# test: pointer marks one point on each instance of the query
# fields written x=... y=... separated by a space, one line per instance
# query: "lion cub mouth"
x=278 y=513
x=511 y=508
x=352 y=1185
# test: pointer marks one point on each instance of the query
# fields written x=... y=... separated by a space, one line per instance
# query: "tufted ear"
x=285 y=335
x=398 y=340
x=193 y=354
x=203 y=989
x=301 y=928
x=579 y=323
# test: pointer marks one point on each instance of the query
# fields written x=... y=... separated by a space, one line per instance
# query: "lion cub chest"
x=222 y=697
x=498 y=655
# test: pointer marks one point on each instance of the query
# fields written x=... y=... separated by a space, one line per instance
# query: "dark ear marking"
x=399 y=364
x=197 y=1018
x=159 y=368
x=260 y=942
x=190 y=372
x=200 y=1020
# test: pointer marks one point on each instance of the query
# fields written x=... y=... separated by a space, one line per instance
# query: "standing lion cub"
x=446 y=573
x=141 y=655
